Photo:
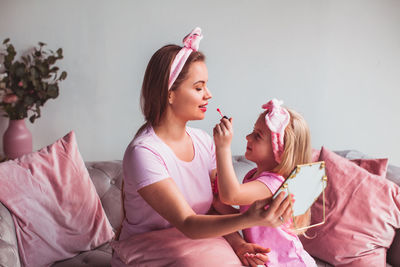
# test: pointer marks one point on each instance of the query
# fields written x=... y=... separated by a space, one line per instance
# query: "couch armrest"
x=8 y=240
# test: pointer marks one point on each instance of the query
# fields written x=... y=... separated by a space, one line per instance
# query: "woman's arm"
x=166 y=199
x=250 y=254
x=229 y=189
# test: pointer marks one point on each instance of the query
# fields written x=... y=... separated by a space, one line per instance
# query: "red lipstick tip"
x=219 y=111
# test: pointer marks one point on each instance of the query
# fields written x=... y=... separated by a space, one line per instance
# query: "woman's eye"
x=199 y=89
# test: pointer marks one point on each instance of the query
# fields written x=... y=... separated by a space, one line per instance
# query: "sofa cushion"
x=56 y=210
x=8 y=240
x=107 y=178
x=362 y=212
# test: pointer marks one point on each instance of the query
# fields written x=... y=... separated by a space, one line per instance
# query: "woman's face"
x=259 y=148
x=189 y=101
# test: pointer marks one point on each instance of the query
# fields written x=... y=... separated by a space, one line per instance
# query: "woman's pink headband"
x=190 y=43
x=277 y=118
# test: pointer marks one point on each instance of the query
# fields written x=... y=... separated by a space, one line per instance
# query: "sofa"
x=107 y=179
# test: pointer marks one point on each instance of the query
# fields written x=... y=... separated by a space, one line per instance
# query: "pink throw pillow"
x=169 y=247
x=374 y=166
x=362 y=213
x=55 y=207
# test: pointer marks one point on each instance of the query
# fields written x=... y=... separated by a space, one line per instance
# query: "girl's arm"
x=165 y=198
x=230 y=190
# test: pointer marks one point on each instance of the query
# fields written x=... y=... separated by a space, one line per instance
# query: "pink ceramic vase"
x=17 y=139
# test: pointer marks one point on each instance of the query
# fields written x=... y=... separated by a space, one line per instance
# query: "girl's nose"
x=248 y=137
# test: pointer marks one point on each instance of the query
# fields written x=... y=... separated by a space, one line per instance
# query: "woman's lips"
x=203 y=108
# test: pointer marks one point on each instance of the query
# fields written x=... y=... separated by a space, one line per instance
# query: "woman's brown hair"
x=154 y=95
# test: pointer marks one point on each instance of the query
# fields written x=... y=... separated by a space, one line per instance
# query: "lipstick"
x=223 y=116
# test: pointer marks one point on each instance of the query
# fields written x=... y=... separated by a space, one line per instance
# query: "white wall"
x=336 y=62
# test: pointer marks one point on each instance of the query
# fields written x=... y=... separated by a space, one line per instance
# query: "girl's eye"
x=199 y=89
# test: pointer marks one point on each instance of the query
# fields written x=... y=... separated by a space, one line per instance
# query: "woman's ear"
x=171 y=97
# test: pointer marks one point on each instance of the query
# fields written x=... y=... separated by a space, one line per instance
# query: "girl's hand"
x=278 y=212
x=252 y=254
x=223 y=133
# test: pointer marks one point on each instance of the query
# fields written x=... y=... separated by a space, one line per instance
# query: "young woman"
x=168 y=165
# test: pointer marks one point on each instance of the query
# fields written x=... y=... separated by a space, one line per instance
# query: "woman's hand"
x=251 y=254
x=223 y=133
x=279 y=211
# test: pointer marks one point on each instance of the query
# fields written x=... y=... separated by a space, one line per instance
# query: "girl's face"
x=189 y=101
x=259 y=148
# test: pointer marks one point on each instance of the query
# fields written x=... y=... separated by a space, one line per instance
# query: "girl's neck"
x=260 y=170
x=264 y=168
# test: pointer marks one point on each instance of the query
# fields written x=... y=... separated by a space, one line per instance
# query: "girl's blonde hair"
x=298 y=150
x=297 y=143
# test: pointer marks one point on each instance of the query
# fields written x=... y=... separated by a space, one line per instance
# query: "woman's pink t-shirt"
x=148 y=160
x=286 y=247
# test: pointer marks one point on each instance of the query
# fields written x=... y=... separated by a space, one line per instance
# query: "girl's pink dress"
x=286 y=248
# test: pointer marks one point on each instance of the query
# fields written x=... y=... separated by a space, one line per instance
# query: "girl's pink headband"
x=277 y=118
x=190 y=43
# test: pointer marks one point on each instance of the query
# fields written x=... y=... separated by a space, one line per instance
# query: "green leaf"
x=28 y=100
x=25 y=60
x=60 y=52
x=34 y=75
x=63 y=76
x=20 y=70
x=54 y=69
x=32 y=118
x=52 y=91
x=42 y=68
x=19 y=92
x=51 y=60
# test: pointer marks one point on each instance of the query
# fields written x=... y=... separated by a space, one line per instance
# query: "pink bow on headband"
x=277 y=118
x=191 y=43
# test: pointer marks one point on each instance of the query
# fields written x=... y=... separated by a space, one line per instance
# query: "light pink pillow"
x=55 y=207
x=169 y=247
x=362 y=213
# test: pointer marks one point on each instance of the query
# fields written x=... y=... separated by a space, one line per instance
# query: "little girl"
x=280 y=141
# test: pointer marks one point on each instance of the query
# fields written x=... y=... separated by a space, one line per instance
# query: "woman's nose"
x=207 y=93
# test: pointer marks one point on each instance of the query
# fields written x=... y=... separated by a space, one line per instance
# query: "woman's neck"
x=173 y=133
x=171 y=130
